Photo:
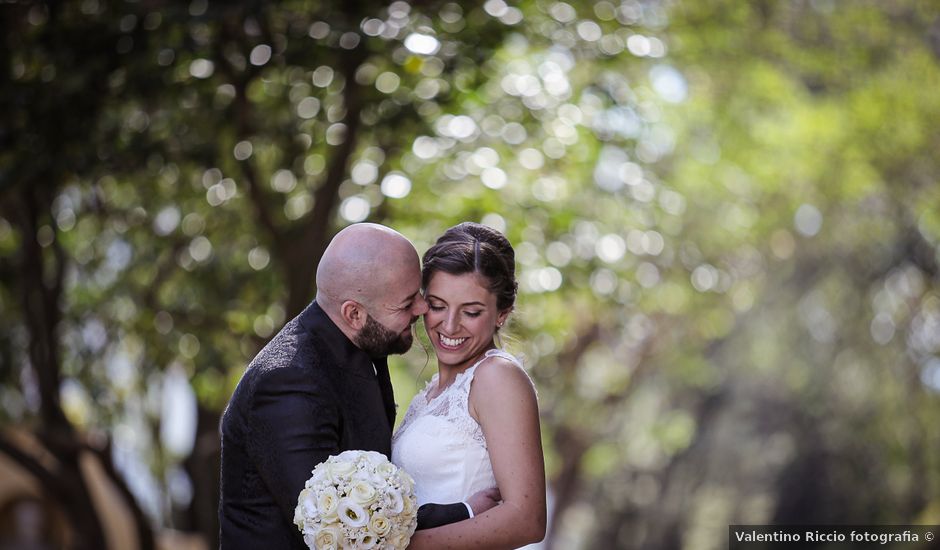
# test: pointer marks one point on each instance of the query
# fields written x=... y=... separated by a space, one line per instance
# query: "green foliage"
x=725 y=218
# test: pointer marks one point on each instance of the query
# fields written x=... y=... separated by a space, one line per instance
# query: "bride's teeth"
x=451 y=342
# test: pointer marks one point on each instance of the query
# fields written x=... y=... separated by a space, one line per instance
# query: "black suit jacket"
x=310 y=393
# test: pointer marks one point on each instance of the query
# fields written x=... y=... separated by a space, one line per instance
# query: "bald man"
x=321 y=386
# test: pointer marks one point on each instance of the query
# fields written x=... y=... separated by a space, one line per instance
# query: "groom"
x=321 y=386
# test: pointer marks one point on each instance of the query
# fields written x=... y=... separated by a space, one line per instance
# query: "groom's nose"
x=420 y=306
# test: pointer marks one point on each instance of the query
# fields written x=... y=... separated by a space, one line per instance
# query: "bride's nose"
x=451 y=322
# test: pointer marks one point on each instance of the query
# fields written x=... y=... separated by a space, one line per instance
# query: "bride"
x=475 y=425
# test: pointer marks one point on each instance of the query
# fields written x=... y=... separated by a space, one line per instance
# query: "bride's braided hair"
x=475 y=248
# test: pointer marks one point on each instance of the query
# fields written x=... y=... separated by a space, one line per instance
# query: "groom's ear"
x=353 y=314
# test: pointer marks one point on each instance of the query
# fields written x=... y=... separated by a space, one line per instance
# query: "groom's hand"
x=484 y=500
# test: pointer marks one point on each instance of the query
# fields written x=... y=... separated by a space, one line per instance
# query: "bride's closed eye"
x=438 y=307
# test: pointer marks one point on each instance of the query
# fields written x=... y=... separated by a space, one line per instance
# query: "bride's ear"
x=501 y=318
x=353 y=314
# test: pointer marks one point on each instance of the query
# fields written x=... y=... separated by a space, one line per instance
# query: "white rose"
x=318 y=476
x=385 y=475
x=348 y=456
x=395 y=502
x=299 y=517
x=408 y=505
x=385 y=469
x=362 y=492
x=375 y=458
x=328 y=503
x=326 y=538
x=399 y=540
x=363 y=474
x=380 y=525
x=306 y=506
x=351 y=513
x=339 y=470
x=407 y=484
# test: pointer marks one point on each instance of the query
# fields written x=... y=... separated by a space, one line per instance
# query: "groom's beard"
x=378 y=341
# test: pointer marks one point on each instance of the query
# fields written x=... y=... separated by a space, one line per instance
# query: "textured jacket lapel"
x=385 y=384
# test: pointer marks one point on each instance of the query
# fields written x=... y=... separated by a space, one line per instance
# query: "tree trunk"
x=41 y=278
x=204 y=467
x=571 y=446
x=42 y=314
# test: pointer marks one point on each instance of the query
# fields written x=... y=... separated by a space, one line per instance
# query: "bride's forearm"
x=505 y=526
x=530 y=524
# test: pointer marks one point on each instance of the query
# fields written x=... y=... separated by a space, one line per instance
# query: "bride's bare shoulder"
x=497 y=371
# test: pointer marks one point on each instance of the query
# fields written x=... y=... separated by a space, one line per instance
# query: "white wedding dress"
x=441 y=445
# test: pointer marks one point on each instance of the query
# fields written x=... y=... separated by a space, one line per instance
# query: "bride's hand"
x=482 y=501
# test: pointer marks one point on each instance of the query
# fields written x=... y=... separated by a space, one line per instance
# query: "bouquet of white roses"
x=357 y=499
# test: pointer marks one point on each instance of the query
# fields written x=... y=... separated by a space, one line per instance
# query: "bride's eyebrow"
x=432 y=296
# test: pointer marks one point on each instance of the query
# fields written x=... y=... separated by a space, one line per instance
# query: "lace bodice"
x=441 y=445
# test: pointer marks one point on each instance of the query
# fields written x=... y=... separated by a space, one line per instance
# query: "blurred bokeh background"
x=726 y=216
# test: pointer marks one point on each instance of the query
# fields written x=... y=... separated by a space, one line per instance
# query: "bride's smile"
x=452 y=343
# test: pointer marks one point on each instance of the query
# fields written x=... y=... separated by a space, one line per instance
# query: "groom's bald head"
x=360 y=264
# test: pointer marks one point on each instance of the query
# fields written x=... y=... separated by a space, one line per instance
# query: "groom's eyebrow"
x=409 y=298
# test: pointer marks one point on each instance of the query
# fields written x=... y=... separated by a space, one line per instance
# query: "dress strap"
x=496 y=352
